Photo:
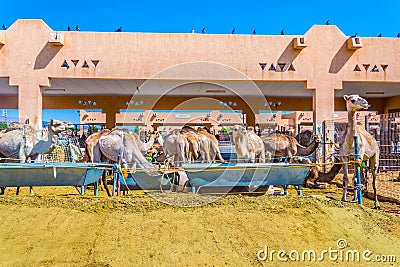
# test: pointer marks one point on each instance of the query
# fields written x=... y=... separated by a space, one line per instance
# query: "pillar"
x=250 y=117
x=30 y=104
x=323 y=106
x=111 y=117
x=323 y=110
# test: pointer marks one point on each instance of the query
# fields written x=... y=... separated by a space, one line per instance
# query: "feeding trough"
x=142 y=179
x=250 y=175
x=50 y=174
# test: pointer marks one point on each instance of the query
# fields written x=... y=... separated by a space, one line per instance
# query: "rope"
x=13 y=159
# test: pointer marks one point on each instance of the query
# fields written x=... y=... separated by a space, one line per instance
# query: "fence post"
x=358 y=186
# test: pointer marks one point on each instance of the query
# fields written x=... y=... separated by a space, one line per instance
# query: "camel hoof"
x=377 y=207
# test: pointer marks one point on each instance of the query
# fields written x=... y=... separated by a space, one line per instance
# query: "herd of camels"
x=188 y=144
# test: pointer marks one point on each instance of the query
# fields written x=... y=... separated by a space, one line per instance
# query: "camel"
x=194 y=145
x=120 y=144
x=368 y=147
x=214 y=148
x=95 y=151
x=248 y=145
x=281 y=145
x=175 y=145
x=23 y=143
x=92 y=140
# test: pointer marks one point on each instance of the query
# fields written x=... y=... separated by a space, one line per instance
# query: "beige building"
x=42 y=68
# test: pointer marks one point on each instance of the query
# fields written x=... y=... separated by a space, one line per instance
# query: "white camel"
x=120 y=144
x=175 y=145
x=248 y=145
x=23 y=143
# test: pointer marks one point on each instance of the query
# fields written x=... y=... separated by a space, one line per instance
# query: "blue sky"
x=367 y=18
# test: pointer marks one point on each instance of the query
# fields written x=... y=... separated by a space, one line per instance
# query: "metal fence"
x=385 y=128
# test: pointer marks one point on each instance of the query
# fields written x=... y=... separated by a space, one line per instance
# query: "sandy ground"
x=57 y=227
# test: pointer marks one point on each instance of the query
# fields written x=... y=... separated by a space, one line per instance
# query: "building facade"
x=41 y=68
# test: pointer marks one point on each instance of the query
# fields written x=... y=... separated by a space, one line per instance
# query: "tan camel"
x=194 y=145
x=281 y=145
x=204 y=147
x=23 y=143
x=91 y=142
x=368 y=147
x=175 y=145
x=248 y=145
x=214 y=147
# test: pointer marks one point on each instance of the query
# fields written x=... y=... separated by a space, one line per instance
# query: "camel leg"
x=355 y=188
x=104 y=183
x=374 y=170
x=2 y=190
x=262 y=156
x=345 y=182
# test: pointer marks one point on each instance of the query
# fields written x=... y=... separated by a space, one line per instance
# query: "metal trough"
x=50 y=174
x=145 y=181
x=251 y=175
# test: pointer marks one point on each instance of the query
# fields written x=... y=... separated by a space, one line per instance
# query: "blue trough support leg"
x=300 y=190
x=96 y=188
x=18 y=188
x=82 y=190
x=31 y=191
x=285 y=192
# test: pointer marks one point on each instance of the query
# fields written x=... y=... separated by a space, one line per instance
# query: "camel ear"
x=346 y=97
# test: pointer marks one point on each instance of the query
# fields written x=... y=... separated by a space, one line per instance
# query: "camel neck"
x=351 y=132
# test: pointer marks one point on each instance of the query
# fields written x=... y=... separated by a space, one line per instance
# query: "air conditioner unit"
x=56 y=38
x=299 y=42
x=354 y=43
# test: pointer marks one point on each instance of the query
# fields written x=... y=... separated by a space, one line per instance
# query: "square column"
x=30 y=104
x=111 y=117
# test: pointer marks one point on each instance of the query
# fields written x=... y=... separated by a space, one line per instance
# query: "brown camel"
x=214 y=148
x=281 y=145
x=368 y=147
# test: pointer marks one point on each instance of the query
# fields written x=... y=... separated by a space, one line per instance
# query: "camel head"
x=355 y=102
x=238 y=130
x=57 y=126
x=317 y=138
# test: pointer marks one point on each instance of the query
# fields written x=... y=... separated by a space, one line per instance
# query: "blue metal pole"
x=114 y=179
x=82 y=190
x=96 y=188
x=300 y=190
x=358 y=187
